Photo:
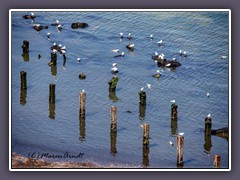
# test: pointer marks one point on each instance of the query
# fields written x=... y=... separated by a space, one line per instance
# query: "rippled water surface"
x=39 y=127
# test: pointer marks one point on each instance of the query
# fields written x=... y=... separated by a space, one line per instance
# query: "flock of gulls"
x=158 y=58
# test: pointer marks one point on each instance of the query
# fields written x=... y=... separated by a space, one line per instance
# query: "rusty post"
x=217 y=160
x=146 y=135
x=82 y=104
x=51 y=93
x=180 y=142
x=82 y=128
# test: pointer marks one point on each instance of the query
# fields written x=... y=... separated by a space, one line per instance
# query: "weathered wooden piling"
x=25 y=56
x=174 y=127
x=52 y=107
x=51 y=93
x=112 y=95
x=54 y=58
x=145 y=156
x=180 y=142
x=146 y=135
x=54 y=70
x=208 y=126
x=82 y=128
x=142 y=111
x=113 y=83
x=25 y=46
x=23 y=96
x=217 y=161
x=142 y=97
x=23 y=75
x=174 y=112
x=113 y=139
x=113 y=119
x=82 y=104
x=208 y=144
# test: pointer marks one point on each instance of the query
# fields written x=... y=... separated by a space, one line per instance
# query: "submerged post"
x=146 y=135
x=113 y=118
x=82 y=128
x=82 y=104
x=180 y=142
x=145 y=157
x=23 y=75
x=53 y=58
x=217 y=160
x=52 y=93
x=113 y=139
x=25 y=46
x=51 y=110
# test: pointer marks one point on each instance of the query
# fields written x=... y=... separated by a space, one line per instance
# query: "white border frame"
x=118 y=10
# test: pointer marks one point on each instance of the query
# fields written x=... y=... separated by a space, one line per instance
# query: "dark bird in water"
x=39 y=56
x=32 y=16
x=56 y=23
x=130 y=47
x=120 y=55
x=38 y=27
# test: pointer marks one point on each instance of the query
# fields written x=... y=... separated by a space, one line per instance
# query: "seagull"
x=83 y=91
x=121 y=35
x=156 y=53
x=169 y=64
x=60 y=45
x=57 y=21
x=223 y=57
x=171 y=143
x=59 y=27
x=131 y=45
x=185 y=54
x=149 y=86
x=174 y=59
x=32 y=13
x=151 y=36
x=141 y=126
x=142 y=89
x=173 y=101
x=114 y=64
x=54 y=50
x=209 y=115
x=54 y=44
x=115 y=50
x=129 y=36
x=78 y=60
x=180 y=52
x=48 y=35
x=181 y=133
x=208 y=94
x=160 y=42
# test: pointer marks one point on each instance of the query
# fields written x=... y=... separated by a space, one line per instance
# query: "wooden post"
x=23 y=75
x=142 y=111
x=208 y=126
x=23 y=95
x=174 y=113
x=51 y=110
x=82 y=128
x=25 y=46
x=82 y=104
x=145 y=158
x=113 y=83
x=54 y=58
x=217 y=160
x=180 y=142
x=51 y=93
x=113 y=119
x=174 y=127
x=142 y=97
x=146 y=135
x=54 y=70
x=113 y=138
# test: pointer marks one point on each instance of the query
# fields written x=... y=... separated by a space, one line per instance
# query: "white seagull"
x=149 y=86
x=142 y=89
x=131 y=45
x=185 y=53
x=151 y=36
x=115 y=50
x=83 y=91
x=180 y=52
x=156 y=53
x=223 y=57
x=209 y=115
x=173 y=101
x=160 y=42
x=181 y=133
x=121 y=35
x=171 y=143
x=208 y=94
x=114 y=64
x=78 y=60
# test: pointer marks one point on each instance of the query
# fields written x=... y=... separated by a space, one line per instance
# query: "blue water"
x=204 y=35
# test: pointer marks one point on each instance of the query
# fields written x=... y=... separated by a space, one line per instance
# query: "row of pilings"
x=113 y=115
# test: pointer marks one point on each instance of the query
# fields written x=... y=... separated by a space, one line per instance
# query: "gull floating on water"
x=121 y=35
x=171 y=143
x=48 y=35
x=160 y=42
x=129 y=36
x=185 y=53
x=223 y=57
x=115 y=50
x=208 y=94
x=78 y=60
x=151 y=36
x=180 y=52
x=149 y=86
